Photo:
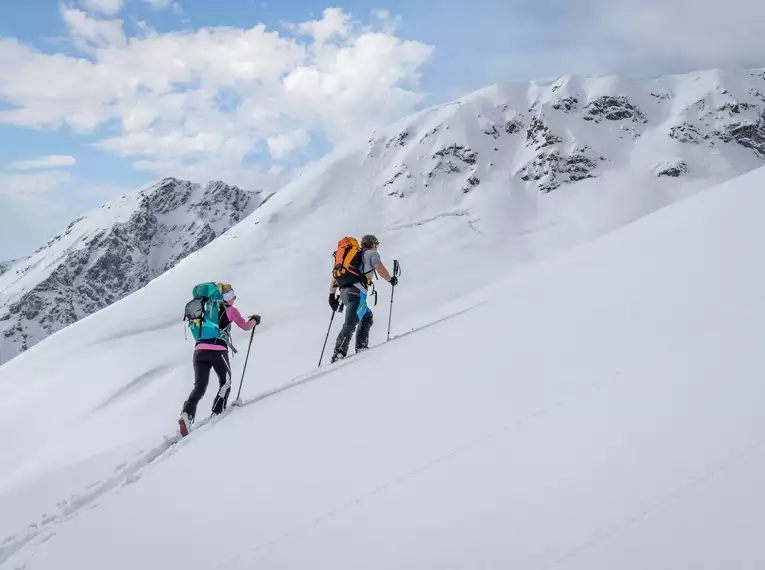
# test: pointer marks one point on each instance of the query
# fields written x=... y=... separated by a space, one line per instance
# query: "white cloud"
x=387 y=22
x=334 y=24
x=281 y=145
x=350 y=88
x=89 y=33
x=50 y=161
x=207 y=100
x=108 y=7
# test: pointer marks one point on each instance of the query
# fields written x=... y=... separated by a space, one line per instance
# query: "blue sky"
x=101 y=96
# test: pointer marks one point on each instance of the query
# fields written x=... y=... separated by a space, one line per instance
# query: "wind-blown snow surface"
x=110 y=252
x=599 y=411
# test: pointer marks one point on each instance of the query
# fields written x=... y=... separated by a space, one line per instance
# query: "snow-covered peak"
x=550 y=133
x=5 y=265
x=110 y=252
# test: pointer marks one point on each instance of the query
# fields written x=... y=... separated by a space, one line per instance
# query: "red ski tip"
x=184 y=428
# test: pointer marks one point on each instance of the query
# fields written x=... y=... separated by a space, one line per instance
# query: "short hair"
x=369 y=241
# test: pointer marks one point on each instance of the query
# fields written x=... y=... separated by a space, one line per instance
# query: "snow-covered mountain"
x=543 y=405
x=5 y=265
x=548 y=134
x=486 y=155
x=110 y=252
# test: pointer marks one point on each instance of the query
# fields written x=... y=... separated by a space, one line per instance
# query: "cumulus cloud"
x=50 y=161
x=282 y=145
x=350 y=88
x=108 y=7
x=89 y=33
x=213 y=97
x=334 y=24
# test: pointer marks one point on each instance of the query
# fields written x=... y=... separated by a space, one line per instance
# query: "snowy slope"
x=82 y=413
x=5 y=265
x=109 y=253
x=599 y=411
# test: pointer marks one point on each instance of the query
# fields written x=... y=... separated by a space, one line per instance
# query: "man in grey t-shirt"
x=354 y=297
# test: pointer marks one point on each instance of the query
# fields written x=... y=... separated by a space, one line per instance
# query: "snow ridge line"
x=132 y=472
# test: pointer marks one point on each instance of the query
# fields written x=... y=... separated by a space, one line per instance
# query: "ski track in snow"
x=139 y=383
x=458 y=214
x=126 y=474
x=137 y=331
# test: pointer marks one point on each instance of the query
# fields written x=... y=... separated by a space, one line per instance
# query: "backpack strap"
x=202 y=319
x=348 y=257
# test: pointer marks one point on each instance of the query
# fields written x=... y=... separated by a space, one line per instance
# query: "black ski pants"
x=351 y=298
x=204 y=360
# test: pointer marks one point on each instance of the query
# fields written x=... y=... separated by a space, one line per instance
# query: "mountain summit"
x=111 y=252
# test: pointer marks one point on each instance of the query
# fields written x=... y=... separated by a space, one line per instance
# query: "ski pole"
x=396 y=273
x=246 y=358
x=326 y=338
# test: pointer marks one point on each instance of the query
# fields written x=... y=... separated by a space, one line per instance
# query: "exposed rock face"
x=566 y=104
x=551 y=169
x=540 y=136
x=613 y=108
x=673 y=170
x=686 y=133
x=549 y=135
x=111 y=252
x=748 y=134
x=721 y=117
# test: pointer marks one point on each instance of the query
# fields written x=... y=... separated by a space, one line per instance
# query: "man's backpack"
x=203 y=312
x=349 y=265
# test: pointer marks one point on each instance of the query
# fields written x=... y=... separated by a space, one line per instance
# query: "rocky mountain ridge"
x=111 y=252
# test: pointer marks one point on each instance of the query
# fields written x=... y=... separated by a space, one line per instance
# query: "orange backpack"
x=348 y=268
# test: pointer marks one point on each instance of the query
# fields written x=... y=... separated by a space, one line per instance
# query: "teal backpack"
x=203 y=312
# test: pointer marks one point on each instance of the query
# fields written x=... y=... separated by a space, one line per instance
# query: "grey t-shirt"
x=370 y=258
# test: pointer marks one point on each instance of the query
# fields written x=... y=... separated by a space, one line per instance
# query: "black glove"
x=393 y=281
x=255 y=318
x=334 y=302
